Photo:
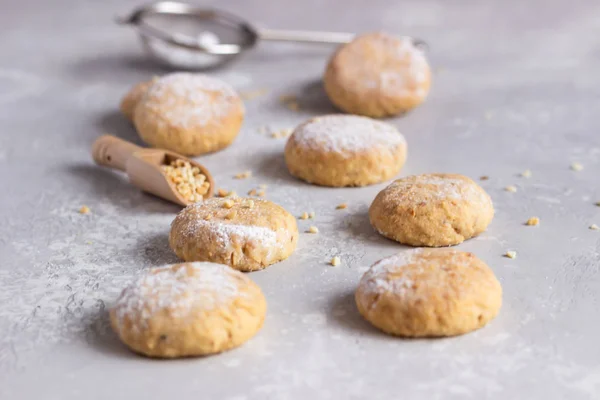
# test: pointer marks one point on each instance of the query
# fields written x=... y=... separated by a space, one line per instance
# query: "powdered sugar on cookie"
x=347 y=134
x=190 y=100
x=433 y=187
x=180 y=290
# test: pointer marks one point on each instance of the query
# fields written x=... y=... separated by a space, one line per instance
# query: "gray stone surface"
x=516 y=87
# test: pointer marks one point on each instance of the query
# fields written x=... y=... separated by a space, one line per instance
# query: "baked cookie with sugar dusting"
x=246 y=234
x=345 y=150
x=377 y=75
x=431 y=210
x=189 y=309
x=133 y=97
x=429 y=293
x=189 y=113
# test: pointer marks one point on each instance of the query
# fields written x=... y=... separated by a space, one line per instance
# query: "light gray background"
x=516 y=86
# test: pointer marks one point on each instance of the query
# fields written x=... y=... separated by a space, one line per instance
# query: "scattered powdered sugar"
x=181 y=290
x=375 y=279
x=446 y=186
x=227 y=233
x=190 y=100
x=347 y=133
x=409 y=69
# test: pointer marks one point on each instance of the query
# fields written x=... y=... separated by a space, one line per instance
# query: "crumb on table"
x=335 y=261
x=511 y=188
x=313 y=229
x=533 y=221
x=511 y=254
x=576 y=166
x=243 y=175
x=84 y=210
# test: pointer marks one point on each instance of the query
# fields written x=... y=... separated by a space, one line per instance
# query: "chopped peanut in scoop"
x=189 y=181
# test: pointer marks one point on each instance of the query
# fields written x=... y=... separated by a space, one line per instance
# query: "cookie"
x=345 y=150
x=189 y=309
x=133 y=97
x=377 y=75
x=429 y=293
x=188 y=113
x=431 y=210
x=246 y=234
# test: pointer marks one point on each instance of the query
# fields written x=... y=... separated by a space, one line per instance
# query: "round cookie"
x=377 y=75
x=246 y=234
x=345 y=150
x=133 y=97
x=429 y=293
x=431 y=210
x=188 y=113
x=189 y=309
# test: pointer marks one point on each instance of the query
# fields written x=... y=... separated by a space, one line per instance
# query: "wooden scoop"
x=143 y=166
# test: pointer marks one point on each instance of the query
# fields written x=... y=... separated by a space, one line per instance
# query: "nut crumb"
x=341 y=206
x=313 y=229
x=526 y=173
x=228 y=203
x=511 y=188
x=250 y=203
x=311 y=215
x=84 y=210
x=290 y=101
x=208 y=217
x=260 y=193
x=484 y=178
x=304 y=215
x=252 y=192
x=335 y=261
x=576 y=166
x=222 y=192
x=594 y=227
x=533 y=221
x=243 y=175
x=511 y=254
x=231 y=194
x=252 y=94
x=231 y=214
x=282 y=133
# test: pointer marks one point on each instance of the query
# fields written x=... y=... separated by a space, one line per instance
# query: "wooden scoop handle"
x=113 y=152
